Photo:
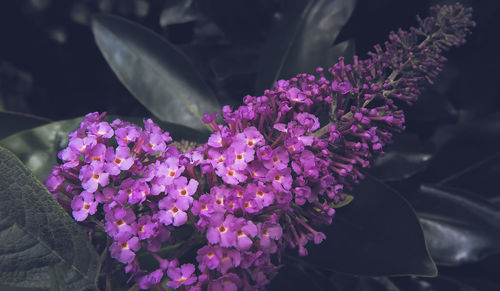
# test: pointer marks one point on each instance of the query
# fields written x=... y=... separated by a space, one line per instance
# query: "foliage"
x=418 y=199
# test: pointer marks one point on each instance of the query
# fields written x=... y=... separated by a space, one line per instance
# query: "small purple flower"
x=151 y=279
x=230 y=258
x=121 y=161
x=54 y=180
x=83 y=205
x=96 y=154
x=342 y=87
x=282 y=85
x=145 y=228
x=257 y=170
x=174 y=214
x=140 y=191
x=70 y=157
x=308 y=120
x=279 y=159
x=264 y=153
x=228 y=282
x=106 y=195
x=215 y=139
x=302 y=194
x=127 y=134
x=153 y=143
x=169 y=170
x=181 y=276
x=246 y=231
x=207 y=257
x=119 y=222
x=262 y=194
x=238 y=155
x=209 y=117
x=295 y=95
x=82 y=145
x=92 y=176
x=267 y=232
x=230 y=175
x=124 y=250
x=182 y=191
x=280 y=179
x=252 y=137
x=220 y=231
x=102 y=129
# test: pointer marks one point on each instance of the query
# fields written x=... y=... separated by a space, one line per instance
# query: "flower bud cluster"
x=266 y=179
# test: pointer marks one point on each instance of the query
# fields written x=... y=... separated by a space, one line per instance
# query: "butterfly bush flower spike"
x=269 y=176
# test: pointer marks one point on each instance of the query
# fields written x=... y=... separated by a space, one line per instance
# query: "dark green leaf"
x=37 y=148
x=378 y=234
x=344 y=282
x=13 y=122
x=348 y=199
x=297 y=274
x=480 y=177
x=39 y=239
x=403 y=159
x=443 y=283
x=463 y=146
x=154 y=71
x=178 y=11
x=303 y=40
x=459 y=227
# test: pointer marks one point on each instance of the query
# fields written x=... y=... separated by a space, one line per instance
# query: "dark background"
x=51 y=67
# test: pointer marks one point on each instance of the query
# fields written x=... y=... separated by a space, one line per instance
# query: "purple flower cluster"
x=265 y=180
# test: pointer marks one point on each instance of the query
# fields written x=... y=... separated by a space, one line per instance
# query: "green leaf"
x=39 y=239
x=479 y=177
x=303 y=38
x=460 y=227
x=297 y=274
x=404 y=158
x=463 y=146
x=14 y=122
x=154 y=71
x=378 y=234
x=460 y=282
x=348 y=199
x=37 y=148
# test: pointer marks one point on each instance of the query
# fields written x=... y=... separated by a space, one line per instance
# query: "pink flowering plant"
x=268 y=183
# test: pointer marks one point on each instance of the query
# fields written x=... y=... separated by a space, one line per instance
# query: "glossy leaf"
x=42 y=246
x=344 y=282
x=303 y=40
x=13 y=122
x=177 y=12
x=348 y=199
x=378 y=234
x=479 y=177
x=297 y=274
x=443 y=283
x=403 y=159
x=37 y=148
x=154 y=71
x=463 y=146
x=460 y=227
